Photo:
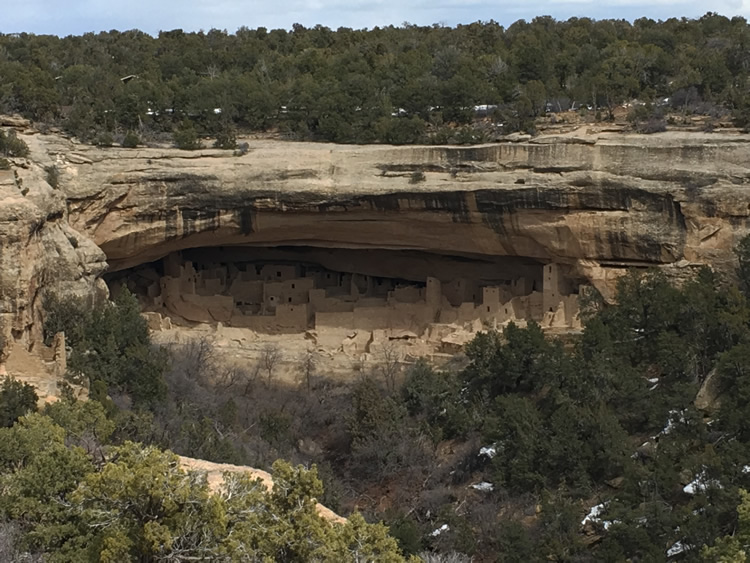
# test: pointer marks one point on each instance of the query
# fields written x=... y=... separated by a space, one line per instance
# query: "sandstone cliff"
x=595 y=201
x=39 y=251
x=607 y=200
x=215 y=477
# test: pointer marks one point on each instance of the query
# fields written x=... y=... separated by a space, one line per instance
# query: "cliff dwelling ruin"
x=296 y=289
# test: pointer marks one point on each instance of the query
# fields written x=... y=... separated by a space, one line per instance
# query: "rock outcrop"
x=593 y=202
x=39 y=252
x=215 y=477
x=596 y=202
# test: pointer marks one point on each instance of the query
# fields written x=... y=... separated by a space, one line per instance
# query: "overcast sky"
x=64 y=17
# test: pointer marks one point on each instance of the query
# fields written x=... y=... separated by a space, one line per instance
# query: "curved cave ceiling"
x=407 y=265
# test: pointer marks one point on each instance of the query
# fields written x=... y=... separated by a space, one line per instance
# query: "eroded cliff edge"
x=39 y=252
x=597 y=202
x=606 y=200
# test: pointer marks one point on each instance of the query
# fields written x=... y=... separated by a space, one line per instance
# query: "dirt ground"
x=341 y=357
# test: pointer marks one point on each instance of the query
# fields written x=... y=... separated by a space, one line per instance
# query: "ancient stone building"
x=294 y=297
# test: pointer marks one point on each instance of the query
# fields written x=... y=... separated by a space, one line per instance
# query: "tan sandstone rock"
x=597 y=204
x=593 y=203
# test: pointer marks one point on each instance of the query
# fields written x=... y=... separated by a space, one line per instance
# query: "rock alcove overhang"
x=546 y=225
x=407 y=266
x=588 y=200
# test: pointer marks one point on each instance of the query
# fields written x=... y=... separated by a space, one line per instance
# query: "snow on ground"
x=440 y=530
x=701 y=483
x=673 y=418
x=489 y=451
x=677 y=549
x=594 y=516
x=484 y=486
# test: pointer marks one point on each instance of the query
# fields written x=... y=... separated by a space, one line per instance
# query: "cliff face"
x=596 y=202
x=39 y=252
x=588 y=201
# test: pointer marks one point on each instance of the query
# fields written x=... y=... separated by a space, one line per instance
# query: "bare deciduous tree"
x=230 y=376
x=195 y=358
x=307 y=367
x=270 y=356
x=389 y=364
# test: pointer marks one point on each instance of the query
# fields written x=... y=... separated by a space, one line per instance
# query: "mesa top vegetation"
x=394 y=84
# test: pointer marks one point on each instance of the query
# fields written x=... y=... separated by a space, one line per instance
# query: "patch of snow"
x=594 y=515
x=489 y=451
x=440 y=530
x=673 y=418
x=677 y=549
x=746 y=470
x=484 y=486
x=700 y=484
x=653 y=380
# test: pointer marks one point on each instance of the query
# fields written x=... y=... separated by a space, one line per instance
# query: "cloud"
x=79 y=16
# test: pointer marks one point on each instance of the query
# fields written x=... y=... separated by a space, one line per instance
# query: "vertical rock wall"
x=39 y=253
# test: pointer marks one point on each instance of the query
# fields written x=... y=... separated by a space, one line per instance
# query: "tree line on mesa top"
x=403 y=84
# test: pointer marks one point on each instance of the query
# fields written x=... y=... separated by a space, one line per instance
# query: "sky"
x=66 y=17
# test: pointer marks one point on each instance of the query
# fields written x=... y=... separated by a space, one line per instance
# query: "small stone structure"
x=44 y=367
x=286 y=298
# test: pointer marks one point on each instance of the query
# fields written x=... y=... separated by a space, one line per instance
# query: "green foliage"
x=417 y=177
x=391 y=84
x=434 y=397
x=524 y=364
x=401 y=130
x=52 y=175
x=143 y=506
x=16 y=400
x=87 y=424
x=131 y=140
x=104 y=139
x=606 y=417
x=733 y=548
x=407 y=533
x=743 y=269
x=4 y=164
x=186 y=137
x=226 y=138
x=560 y=523
x=65 y=314
x=39 y=471
x=733 y=370
x=11 y=145
x=139 y=505
x=110 y=344
x=382 y=440
x=515 y=544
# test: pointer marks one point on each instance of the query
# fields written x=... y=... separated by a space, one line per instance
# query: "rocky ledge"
x=595 y=201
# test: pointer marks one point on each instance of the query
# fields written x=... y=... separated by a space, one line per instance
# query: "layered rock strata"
x=596 y=203
x=592 y=202
x=39 y=253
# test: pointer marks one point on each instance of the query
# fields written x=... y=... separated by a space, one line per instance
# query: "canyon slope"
x=593 y=201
